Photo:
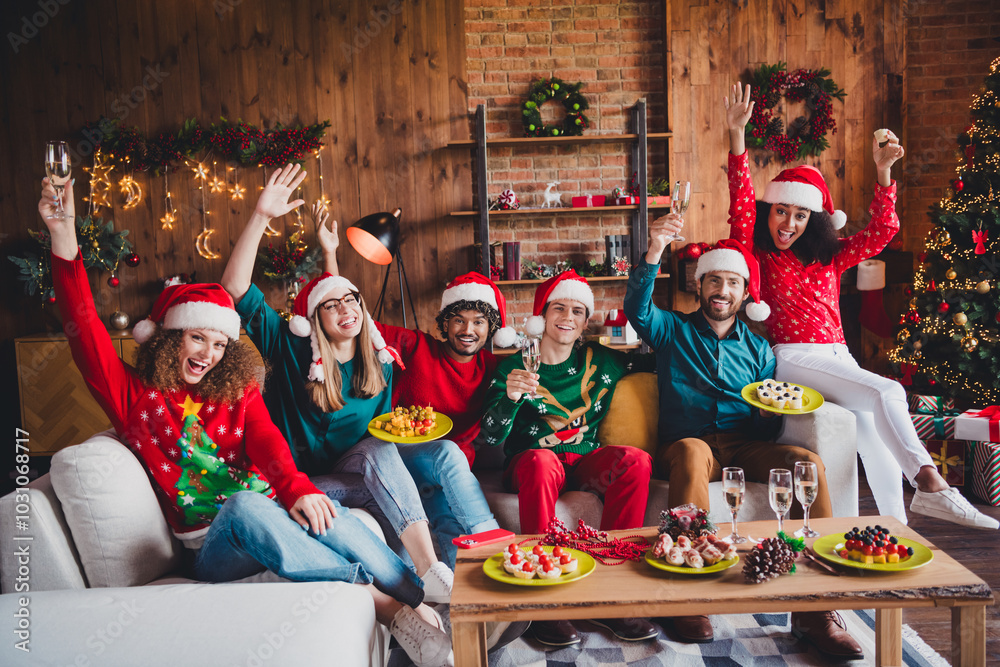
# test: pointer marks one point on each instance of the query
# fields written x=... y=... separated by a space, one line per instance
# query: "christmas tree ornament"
x=132 y=260
x=119 y=320
x=51 y=299
x=951 y=274
x=922 y=257
x=113 y=281
x=918 y=344
x=902 y=336
x=958 y=184
x=960 y=319
x=896 y=243
x=943 y=237
x=970 y=344
x=913 y=317
x=931 y=287
x=983 y=287
x=913 y=303
x=908 y=290
x=917 y=354
x=979 y=238
x=943 y=307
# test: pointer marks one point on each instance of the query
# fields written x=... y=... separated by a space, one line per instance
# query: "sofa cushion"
x=113 y=514
x=634 y=414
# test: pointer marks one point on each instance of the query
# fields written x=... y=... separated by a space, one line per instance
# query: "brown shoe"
x=691 y=629
x=827 y=631
x=554 y=633
x=628 y=629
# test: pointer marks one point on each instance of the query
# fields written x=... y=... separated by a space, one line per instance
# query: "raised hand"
x=520 y=382
x=327 y=236
x=273 y=201
x=887 y=155
x=62 y=231
x=738 y=108
x=661 y=234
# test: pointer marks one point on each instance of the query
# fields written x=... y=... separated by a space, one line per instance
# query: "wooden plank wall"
x=389 y=75
x=715 y=42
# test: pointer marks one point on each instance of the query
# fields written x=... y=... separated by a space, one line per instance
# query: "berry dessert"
x=873 y=545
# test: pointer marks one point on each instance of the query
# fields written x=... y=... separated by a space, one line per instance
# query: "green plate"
x=493 y=568
x=811 y=400
x=444 y=425
x=826 y=547
x=661 y=564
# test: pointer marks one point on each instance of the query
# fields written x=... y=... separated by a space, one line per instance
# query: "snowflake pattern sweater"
x=805 y=300
x=433 y=378
x=197 y=453
x=575 y=396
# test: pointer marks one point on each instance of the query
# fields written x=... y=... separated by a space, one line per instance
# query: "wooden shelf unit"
x=562 y=209
x=590 y=279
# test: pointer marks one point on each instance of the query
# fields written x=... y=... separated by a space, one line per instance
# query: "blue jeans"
x=451 y=494
x=252 y=533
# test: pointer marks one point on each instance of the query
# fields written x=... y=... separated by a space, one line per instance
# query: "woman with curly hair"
x=192 y=413
x=801 y=260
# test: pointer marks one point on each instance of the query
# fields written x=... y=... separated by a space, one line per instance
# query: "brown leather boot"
x=554 y=633
x=827 y=631
x=690 y=629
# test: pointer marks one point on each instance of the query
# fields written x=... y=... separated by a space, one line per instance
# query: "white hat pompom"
x=300 y=326
x=758 y=311
x=839 y=219
x=505 y=337
x=143 y=330
x=385 y=356
x=535 y=326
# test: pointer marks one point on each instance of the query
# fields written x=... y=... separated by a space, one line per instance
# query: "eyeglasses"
x=348 y=300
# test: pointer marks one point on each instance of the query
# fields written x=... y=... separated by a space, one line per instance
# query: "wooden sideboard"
x=57 y=409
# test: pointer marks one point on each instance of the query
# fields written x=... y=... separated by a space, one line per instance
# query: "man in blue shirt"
x=704 y=359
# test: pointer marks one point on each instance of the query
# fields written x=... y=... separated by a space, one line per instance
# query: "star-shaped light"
x=190 y=407
x=200 y=172
x=237 y=191
x=168 y=220
x=216 y=185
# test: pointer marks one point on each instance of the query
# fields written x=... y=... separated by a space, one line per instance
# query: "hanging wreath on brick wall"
x=803 y=137
x=573 y=124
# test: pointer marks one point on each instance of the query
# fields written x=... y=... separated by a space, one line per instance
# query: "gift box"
x=661 y=200
x=625 y=201
x=931 y=405
x=588 y=201
x=950 y=458
x=979 y=425
x=986 y=471
x=935 y=427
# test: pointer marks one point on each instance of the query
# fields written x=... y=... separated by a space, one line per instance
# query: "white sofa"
x=99 y=584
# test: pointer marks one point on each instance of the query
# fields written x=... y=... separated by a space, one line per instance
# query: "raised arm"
x=61 y=230
x=273 y=203
x=738 y=111
x=327 y=237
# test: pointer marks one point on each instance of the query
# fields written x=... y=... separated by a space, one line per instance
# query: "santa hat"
x=567 y=285
x=477 y=287
x=195 y=306
x=731 y=255
x=804 y=186
x=305 y=306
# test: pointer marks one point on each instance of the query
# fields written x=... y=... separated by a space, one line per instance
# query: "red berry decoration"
x=943 y=308
x=113 y=281
x=132 y=260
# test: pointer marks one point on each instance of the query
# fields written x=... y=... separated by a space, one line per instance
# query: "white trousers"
x=887 y=441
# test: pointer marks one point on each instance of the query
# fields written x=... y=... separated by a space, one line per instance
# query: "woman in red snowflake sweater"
x=801 y=260
x=192 y=413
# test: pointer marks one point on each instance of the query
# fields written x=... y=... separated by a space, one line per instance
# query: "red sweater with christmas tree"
x=434 y=378
x=197 y=453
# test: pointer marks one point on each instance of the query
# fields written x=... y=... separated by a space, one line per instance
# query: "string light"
x=323 y=201
x=100 y=183
x=133 y=193
x=201 y=242
x=236 y=191
x=217 y=185
x=170 y=213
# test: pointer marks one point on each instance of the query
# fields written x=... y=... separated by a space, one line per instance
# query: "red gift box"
x=588 y=201
x=625 y=201
x=660 y=199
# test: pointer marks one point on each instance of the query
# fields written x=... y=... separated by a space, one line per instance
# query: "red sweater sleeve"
x=112 y=382
x=742 y=200
x=872 y=239
x=269 y=451
x=404 y=340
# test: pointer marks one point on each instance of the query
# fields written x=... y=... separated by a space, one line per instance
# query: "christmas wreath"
x=804 y=136
x=572 y=100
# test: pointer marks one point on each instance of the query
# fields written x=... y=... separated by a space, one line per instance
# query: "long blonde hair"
x=367 y=380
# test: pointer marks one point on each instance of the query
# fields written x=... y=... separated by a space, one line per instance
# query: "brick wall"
x=949 y=47
x=617 y=50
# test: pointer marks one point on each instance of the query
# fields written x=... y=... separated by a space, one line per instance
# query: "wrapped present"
x=979 y=425
x=931 y=405
x=949 y=457
x=625 y=201
x=587 y=201
x=935 y=427
x=661 y=200
x=986 y=471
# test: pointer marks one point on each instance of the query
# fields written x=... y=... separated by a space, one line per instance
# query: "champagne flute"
x=531 y=354
x=733 y=488
x=58 y=168
x=680 y=201
x=779 y=493
x=806 y=488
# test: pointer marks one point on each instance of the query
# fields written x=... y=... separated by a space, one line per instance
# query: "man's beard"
x=712 y=314
x=466 y=352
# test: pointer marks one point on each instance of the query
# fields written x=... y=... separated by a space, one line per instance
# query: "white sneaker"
x=438 y=581
x=950 y=505
x=425 y=644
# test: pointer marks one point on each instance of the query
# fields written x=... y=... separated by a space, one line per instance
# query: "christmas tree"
x=947 y=339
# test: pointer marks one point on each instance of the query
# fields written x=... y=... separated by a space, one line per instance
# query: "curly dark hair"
x=157 y=362
x=819 y=242
x=491 y=313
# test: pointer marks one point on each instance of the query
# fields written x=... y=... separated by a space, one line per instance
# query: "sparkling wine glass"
x=806 y=487
x=58 y=168
x=779 y=493
x=680 y=201
x=733 y=488
x=531 y=354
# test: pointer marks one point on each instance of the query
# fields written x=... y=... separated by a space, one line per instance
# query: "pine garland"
x=292 y=263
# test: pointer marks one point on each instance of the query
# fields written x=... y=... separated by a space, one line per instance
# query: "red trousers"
x=618 y=475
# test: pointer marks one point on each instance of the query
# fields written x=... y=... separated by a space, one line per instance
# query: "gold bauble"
x=119 y=320
x=960 y=319
x=917 y=344
x=970 y=344
x=95 y=244
x=917 y=354
x=951 y=274
x=913 y=303
x=983 y=287
x=943 y=237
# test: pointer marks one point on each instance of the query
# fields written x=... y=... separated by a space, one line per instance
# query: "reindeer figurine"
x=551 y=196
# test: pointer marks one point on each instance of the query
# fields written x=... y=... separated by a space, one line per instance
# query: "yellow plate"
x=444 y=425
x=661 y=564
x=826 y=547
x=493 y=568
x=811 y=400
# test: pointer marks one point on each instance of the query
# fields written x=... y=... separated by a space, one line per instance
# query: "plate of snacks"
x=782 y=397
x=702 y=555
x=538 y=565
x=872 y=548
x=413 y=424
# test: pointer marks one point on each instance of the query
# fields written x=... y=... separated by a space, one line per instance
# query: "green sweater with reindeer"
x=574 y=397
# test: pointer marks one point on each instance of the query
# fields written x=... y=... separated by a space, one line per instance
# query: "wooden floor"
x=976 y=549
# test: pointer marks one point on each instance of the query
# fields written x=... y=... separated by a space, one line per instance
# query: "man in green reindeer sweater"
x=551 y=441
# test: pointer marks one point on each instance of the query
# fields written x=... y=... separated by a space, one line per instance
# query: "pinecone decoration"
x=771 y=558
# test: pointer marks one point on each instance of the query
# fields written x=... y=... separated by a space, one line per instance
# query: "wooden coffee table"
x=636 y=589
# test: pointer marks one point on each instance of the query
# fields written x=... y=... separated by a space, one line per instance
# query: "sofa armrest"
x=831 y=432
